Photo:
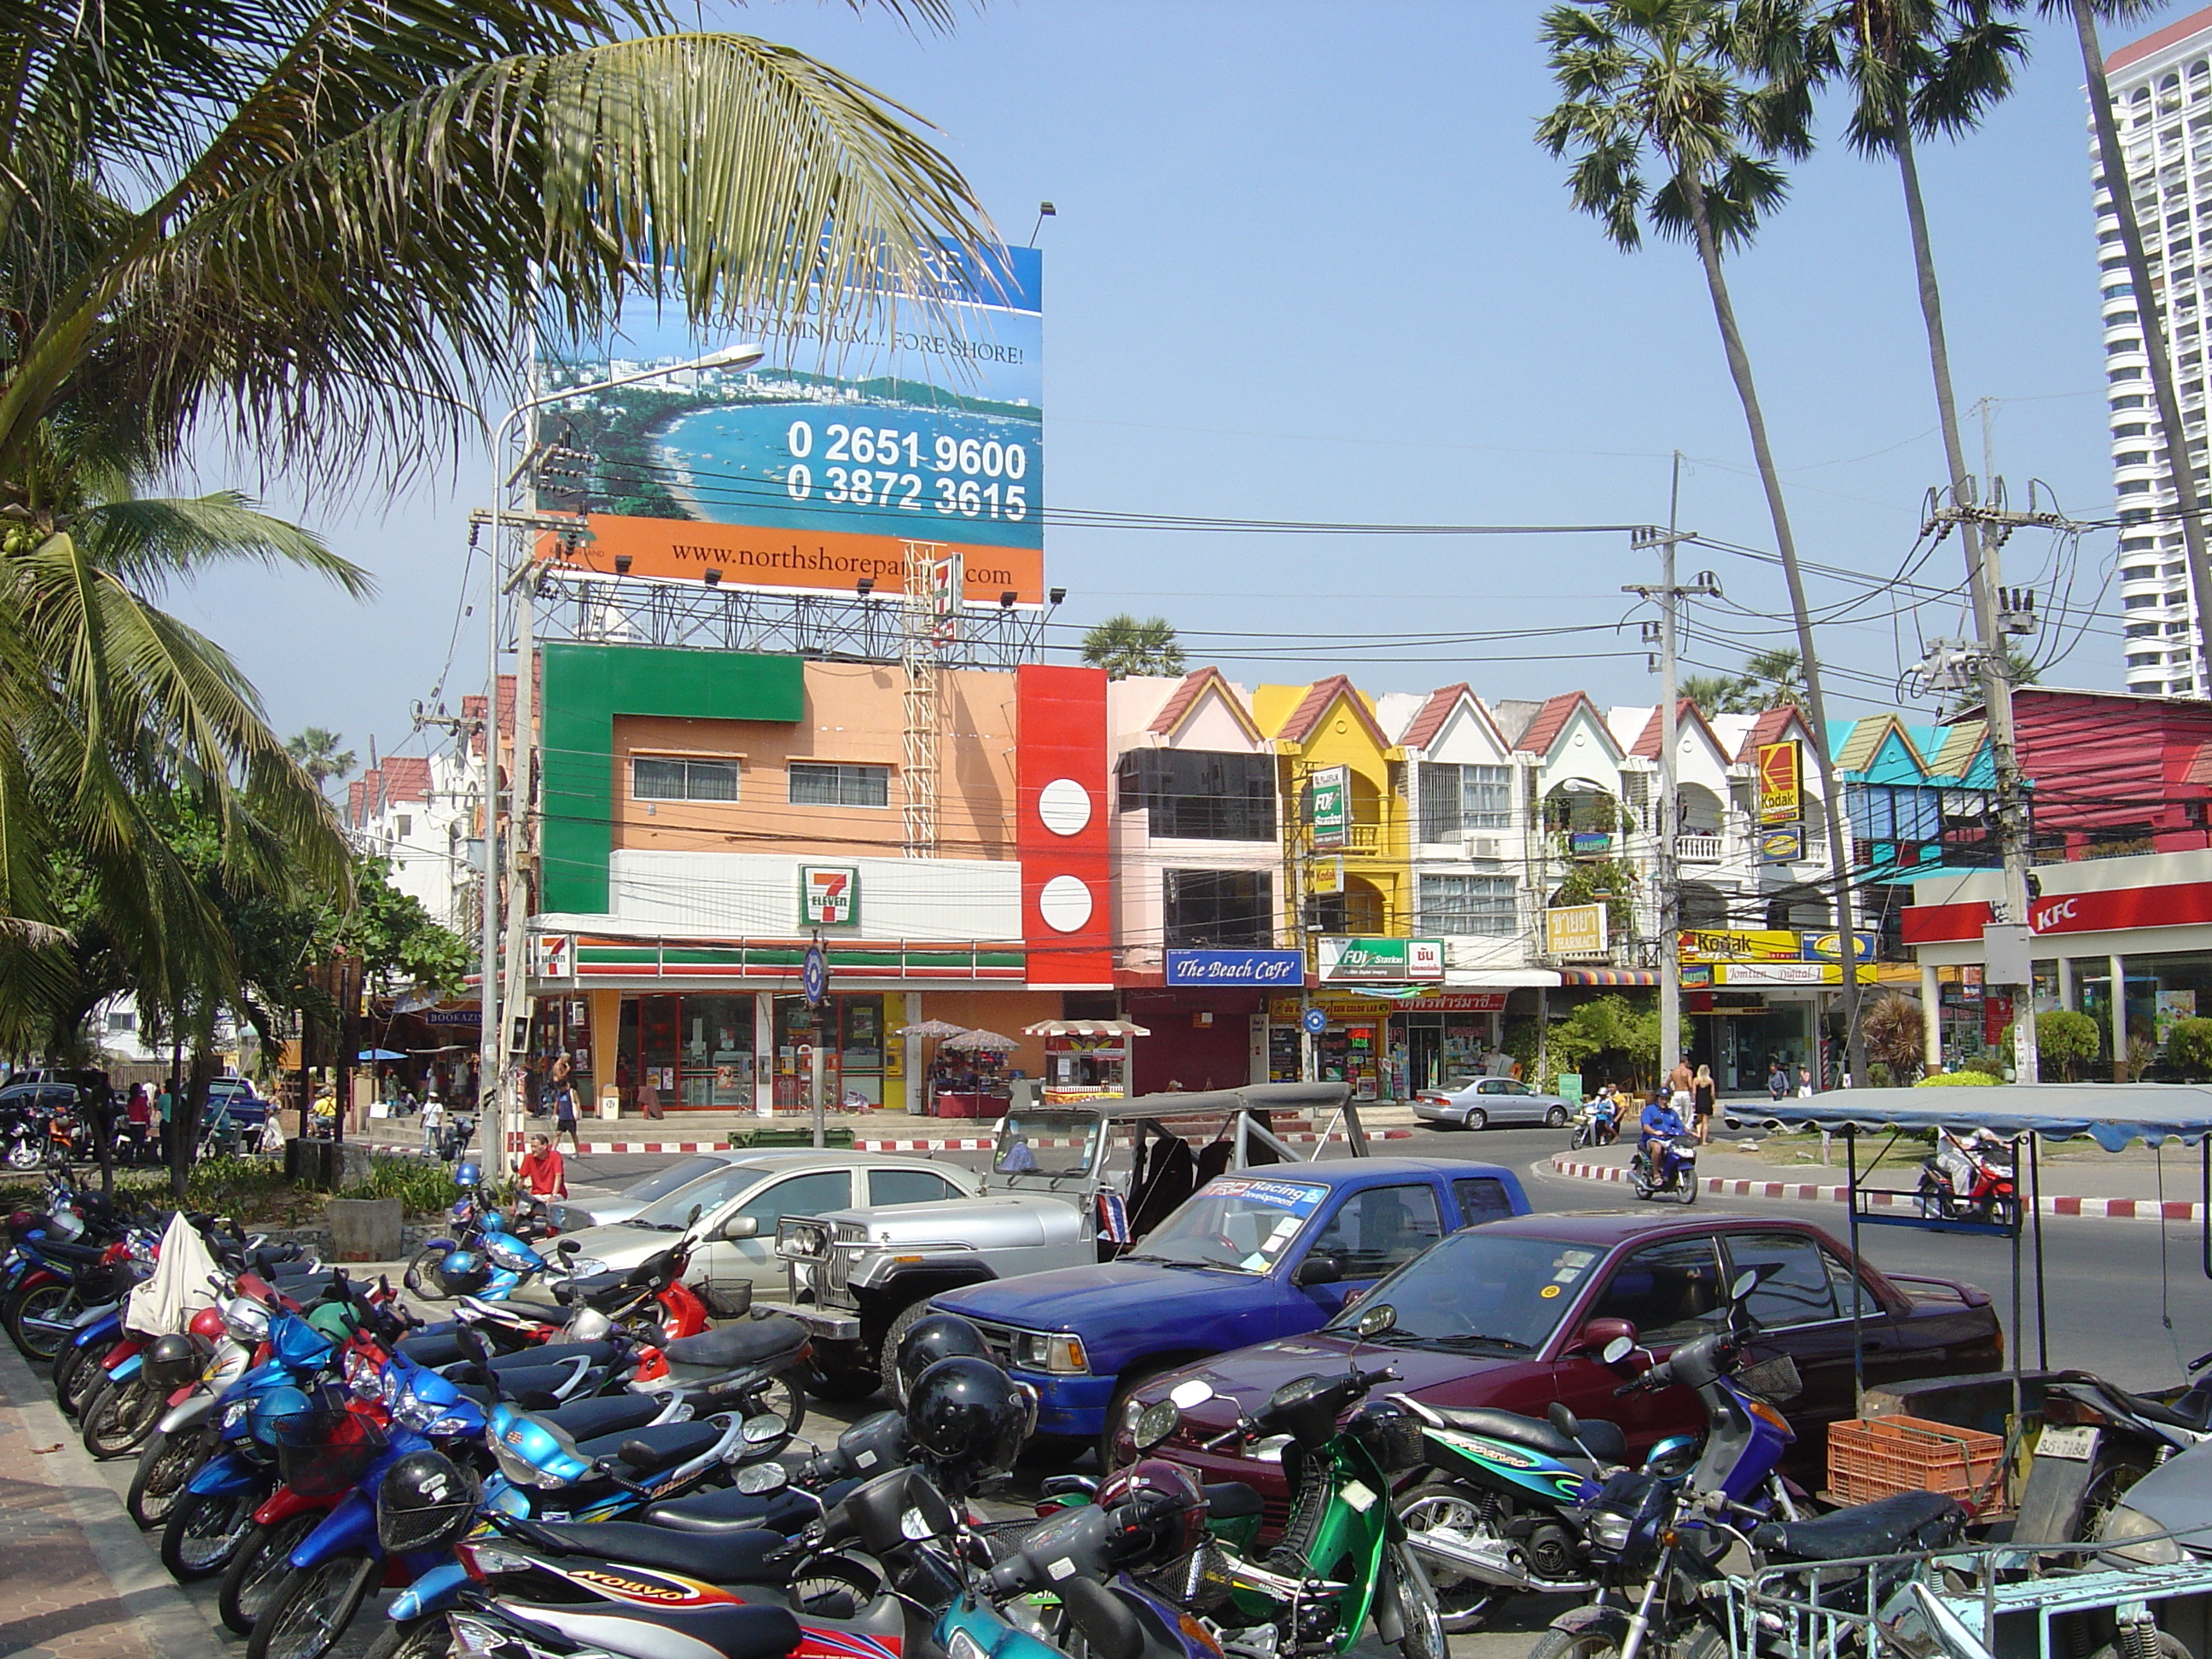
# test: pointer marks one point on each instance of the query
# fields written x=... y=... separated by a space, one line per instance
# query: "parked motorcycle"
x=2099 y=1441
x=1674 y=1174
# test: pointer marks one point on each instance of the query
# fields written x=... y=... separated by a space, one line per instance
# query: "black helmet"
x=968 y=1414
x=424 y=1500
x=933 y=1337
x=171 y=1362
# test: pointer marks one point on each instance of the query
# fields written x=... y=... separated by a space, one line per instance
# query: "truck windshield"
x=1478 y=1291
x=1053 y=1147
x=1236 y=1222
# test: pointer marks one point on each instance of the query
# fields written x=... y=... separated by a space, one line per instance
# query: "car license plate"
x=2078 y=1444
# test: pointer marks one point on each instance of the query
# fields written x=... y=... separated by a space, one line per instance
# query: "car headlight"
x=2131 y=1536
x=584 y=1266
x=1043 y=1351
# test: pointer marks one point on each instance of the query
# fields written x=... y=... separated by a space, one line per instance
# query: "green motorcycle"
x=1343 y=1558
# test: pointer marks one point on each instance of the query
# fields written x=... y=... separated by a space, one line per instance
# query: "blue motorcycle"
x=487 y=1254
x=1673 y=1174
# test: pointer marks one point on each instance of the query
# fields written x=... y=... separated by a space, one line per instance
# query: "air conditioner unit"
x=1486 y=847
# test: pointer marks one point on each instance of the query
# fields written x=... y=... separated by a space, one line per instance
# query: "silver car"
x=736 y=1208
x=1476 y=1103
x=621 y=1204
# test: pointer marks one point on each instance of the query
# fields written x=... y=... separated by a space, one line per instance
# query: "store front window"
x=684 y=1051
x=848 y=1033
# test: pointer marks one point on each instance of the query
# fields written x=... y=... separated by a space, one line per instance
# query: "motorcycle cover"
x=179 y=1288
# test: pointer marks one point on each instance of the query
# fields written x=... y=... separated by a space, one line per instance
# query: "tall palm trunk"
x=2180 y=467
x=1831 y=794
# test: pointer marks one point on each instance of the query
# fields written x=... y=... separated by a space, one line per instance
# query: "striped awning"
x=1608 y=977
x=1089 y=1028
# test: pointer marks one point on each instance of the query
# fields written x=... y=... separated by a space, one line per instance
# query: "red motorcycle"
x=1970 y=1178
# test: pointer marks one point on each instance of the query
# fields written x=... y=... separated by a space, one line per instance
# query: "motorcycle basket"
x=326 y=1450
x=726 y=1298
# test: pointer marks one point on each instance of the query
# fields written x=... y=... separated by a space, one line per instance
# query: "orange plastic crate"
x=1875 y=1457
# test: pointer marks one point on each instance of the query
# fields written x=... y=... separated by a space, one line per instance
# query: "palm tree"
x=326 y=225
x=319 y=755
x=2112 y=174
x=1706 y=95
x=1716 y=694
x=1122 y=646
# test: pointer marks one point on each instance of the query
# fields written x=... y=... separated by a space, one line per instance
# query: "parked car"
x=1271 y=1253
x=744 y=1202
x=247 y=1109
x=1515 y=1315
x=1054 y=1200
x=574 y=1216
x=1476 y=1103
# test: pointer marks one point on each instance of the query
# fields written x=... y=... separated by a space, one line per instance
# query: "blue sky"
x=1309 y=264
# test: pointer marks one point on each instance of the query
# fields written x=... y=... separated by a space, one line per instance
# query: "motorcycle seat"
x=55 y=1250
x=1888 y=1525
x=552 y=1353
x=1232 y=1500
x=433 y=1348
x=656 y=1446
x=585 y=1419
x=738 y=1558
x=736 y=1630
x=717 y=1514
x=537 y=1388
x=748 y=1342
x=1604 y=1439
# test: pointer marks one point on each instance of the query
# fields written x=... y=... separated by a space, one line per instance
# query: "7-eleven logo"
x=828 y=896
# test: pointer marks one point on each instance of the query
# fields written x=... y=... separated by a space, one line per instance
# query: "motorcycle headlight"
x=1609 y=1532
x=506 y=1255
x=234 y=1415
x=1040 y=1350
x=450 y=1423
x=519 y=1470
x=2131 y=1536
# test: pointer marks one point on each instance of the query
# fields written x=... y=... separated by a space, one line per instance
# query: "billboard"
x=1331 y=807
x=1576 y=930
x=1781 y=782
x=811 y=470
x=1387 y=961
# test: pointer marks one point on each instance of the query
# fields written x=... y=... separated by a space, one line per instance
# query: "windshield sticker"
x=1299 y=1200
x=1285 y=1230
x=1569 y=1266
x=1253 y=1262
x=1548 y=1292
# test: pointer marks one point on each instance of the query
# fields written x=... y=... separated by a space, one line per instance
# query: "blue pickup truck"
x=1268 y=1253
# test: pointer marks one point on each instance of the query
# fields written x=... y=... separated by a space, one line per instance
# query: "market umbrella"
x=981 y=1042
x=930 y=1028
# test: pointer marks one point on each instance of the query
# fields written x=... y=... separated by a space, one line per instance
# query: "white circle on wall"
x=1065 y=903
x=1064 y=806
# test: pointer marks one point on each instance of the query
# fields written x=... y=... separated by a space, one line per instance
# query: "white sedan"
x=1476 y=1103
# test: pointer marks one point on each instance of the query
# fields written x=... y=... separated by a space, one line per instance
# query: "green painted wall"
x=585 y=686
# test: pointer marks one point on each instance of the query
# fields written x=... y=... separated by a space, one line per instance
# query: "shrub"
x=422 y=1189
x=1957 y=1080
x=2189 y=1047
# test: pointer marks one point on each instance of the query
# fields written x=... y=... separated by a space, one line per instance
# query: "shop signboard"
x=828 y=896
x=1781 y=782
x=1781 y=844
x=1829 y=947
x=1331 y=807
x=1381 y=961
x=918 y=419
x=1576 y=930
x=1235 y=967
x=1768 y=945
x=1788 y=973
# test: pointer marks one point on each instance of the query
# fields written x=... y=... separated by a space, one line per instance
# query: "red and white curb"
x=918 y=1144
x=2109 y=1209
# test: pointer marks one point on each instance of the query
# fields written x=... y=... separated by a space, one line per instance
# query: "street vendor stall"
x=967 y=1079
x=1085 y=1058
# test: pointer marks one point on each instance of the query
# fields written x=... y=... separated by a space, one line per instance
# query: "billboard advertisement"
x=1390 y=961
x=1781 y=782
x=1576 y=930
x=813 y=469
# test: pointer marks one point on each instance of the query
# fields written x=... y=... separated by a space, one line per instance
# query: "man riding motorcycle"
x=1660 y=1124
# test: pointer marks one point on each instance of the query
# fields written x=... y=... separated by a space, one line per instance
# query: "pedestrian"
x=1677 y=1091
x=272 y=1135
x=648 y=1097
x=1703 y=1090
x=1804 y=1083
x=564 y=1104
x=138 y=1113
x=541 y=1172
x=1778 y=1079
x=434 y=1120
x=167 y=1107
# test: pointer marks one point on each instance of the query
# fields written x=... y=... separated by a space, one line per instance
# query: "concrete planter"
x=365 y=1228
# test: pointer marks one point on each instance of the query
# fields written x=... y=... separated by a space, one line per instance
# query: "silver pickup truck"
x=860 y=1277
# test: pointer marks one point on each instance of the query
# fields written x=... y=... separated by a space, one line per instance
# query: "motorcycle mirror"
x=1196 y=1392
x=761 y=1430
x=760 y=1479
x=1745 y=1283
x=1155 y=1424
x=1373 y=1322
x=567 y=1247
x=1564 y=1420
x=1617 y=1350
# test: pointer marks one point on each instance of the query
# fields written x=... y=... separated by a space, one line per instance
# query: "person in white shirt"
x=433 y=1118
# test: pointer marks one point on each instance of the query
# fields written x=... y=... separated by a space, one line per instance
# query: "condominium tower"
x=2162 y=96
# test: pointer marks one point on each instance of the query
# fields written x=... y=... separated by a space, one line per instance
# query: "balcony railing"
x=1358 y=838
x=1700 y=849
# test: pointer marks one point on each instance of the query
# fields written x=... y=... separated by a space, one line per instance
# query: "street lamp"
x=492 y=1037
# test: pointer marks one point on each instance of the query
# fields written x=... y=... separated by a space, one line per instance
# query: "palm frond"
x=150 y=540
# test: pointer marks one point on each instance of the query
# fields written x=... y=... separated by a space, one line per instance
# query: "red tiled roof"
x=1551 y=720
x=1185 y=697
x=1434 y=713
x=1316 y=702
x=1647 y=741
x=472 y=708
x=1768 y=728
x=406 y=777
x=353 y=804
x=2158 y=40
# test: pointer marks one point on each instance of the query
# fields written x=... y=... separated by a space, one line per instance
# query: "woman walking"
x=564 y=1104
x=1702 y=1092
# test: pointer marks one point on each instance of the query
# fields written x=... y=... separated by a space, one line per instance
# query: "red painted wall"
x=2101 y=762
x=1060 y=775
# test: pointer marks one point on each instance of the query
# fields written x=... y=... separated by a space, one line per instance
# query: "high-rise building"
x=2163 y=97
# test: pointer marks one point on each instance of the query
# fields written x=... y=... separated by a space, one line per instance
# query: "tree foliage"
x=1122 y=646
x=316 y=751
x=1894 y=1035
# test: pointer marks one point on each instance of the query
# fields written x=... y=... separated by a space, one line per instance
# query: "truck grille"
x=836 y=1279
x=999 y=1340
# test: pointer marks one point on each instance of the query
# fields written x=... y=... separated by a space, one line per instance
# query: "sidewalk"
x=82 y=1582
x=2129 y=1180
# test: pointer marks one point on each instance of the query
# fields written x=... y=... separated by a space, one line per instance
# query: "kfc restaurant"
x=2126 y=940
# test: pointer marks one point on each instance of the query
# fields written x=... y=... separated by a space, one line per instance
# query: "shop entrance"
x=679 y=1051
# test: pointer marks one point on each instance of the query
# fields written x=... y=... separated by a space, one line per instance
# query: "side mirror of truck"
x=1317 y=1269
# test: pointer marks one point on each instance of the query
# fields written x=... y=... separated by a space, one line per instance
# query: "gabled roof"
x=1188 y=696
x=1320 y=697
x=1647 y=742
x=1960 y=747
x=1857 y=743
x=1772 y=726
x=1553 y=718
x=1436 y=714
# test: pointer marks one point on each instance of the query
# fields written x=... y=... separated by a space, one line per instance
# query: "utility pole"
x=1984 y=663
x=1669 y=596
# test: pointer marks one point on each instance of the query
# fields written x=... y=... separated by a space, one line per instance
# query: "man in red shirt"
x=541 y=1171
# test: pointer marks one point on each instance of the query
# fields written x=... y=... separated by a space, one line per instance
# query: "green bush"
x=2189 y=1047
x=422 y=1189
x=1957 y=1080
x=2065 y=1039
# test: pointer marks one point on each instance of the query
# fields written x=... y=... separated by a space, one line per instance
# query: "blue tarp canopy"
x=2112 y=1115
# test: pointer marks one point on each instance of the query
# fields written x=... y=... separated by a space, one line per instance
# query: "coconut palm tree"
x=324 y=225
x=1706 y=96
x=317 y=752
x=1123 y=646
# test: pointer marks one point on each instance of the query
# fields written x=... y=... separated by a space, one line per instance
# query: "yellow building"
x=1317 y=728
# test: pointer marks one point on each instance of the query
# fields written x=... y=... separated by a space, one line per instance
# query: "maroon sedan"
x=1512 y=1314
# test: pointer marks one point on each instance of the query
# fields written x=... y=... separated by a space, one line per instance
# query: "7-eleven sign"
x=828 y=896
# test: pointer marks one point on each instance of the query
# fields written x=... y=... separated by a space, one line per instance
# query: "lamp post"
x=492 y=1038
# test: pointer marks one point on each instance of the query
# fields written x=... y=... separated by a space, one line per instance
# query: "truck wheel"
x=851 y=1383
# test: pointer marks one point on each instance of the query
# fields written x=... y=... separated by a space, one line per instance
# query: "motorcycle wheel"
x=77 y=1372
x=165 y=1463
x=1932 y=1202
x=834 y=1587
x=258 y=1568
x=204 y=1532
x=23 y=1155
x=1405 y=1587
x=427 y=1637
x=118 y=1418
x=1591 y=1643
x=1583 y=1136
x=1686 y=1188
x=1640 y=1184
x=38 y=1320
x=1462 y=1601
x=422 y=1278
x=310 y=1609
